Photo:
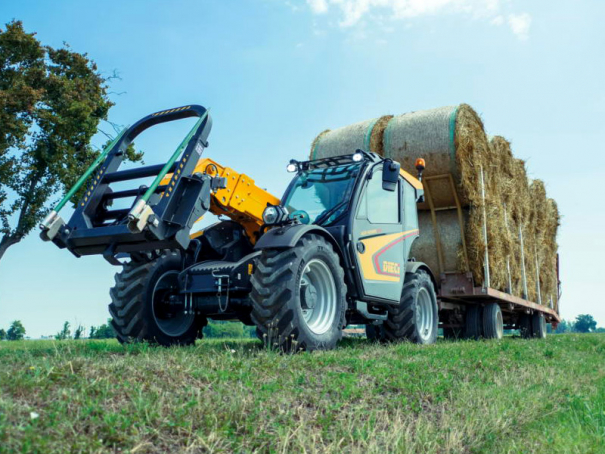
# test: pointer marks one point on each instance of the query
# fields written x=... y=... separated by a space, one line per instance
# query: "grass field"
x=475 y=397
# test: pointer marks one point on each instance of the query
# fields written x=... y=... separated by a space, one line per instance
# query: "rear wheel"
x=146 y=304
x=473 y=322
x=416 y=317
x=299 y=296
x=493 y=324
x=538 y=324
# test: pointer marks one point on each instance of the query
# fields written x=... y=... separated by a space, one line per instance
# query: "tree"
x=563 y=327
x=16 y=331
x=2 y=334
x=65 y=333
x=51 y=102
x=104 y=331
x=585 y=323
x=79 y=332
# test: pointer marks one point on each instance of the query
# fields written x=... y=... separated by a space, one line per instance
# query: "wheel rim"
x=168 y=306
x=425 y=316
x=318 y=296
x=499 y=325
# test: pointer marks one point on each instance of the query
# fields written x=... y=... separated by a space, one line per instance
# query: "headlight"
x=270 y=215
x=357 y=156
x=292 y=167
x=274 y=215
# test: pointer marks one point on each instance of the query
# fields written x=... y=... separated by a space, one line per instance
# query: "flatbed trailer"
x=458 y=292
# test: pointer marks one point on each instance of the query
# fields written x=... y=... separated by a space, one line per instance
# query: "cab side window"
x=382 y=207
x=409 y=207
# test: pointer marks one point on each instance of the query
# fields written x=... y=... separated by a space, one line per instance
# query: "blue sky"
x=275 y=73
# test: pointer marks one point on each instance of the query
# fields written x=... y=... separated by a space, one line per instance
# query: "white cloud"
x=318 y=6
x=498 y=20
x=519 y=24
x=353 y=12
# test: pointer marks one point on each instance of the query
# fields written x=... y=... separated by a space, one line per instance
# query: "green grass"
x=474 y=397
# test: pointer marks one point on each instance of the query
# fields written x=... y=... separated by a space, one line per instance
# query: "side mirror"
x=390 y=175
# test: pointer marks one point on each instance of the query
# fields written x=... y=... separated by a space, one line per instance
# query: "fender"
x=288 y=235
x=412 y=267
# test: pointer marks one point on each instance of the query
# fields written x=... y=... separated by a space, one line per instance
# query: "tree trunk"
x=7 y=241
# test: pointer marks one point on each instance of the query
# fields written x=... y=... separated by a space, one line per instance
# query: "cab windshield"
x=323 y=194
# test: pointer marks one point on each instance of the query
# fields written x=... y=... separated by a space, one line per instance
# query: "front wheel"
x=416 y=318
x=299 y=296
x=146 y=304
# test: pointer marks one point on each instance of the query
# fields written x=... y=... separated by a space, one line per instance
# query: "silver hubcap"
x=425 y=316
x=499 y=326
x=168 y=306
x=318 y=296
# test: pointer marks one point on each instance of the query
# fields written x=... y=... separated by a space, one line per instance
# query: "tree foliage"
x=222 y=329
x=564 y=327
x=16 y=331
x=65 y=333
x=585 y=323
x=79 y=332
x=104 y=331
x=51 y=102
x=2 y=334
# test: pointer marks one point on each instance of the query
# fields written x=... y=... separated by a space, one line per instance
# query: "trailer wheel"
x=525 y=326
x=538 y=324
x=145 y=305
x=493 y=325
x=299 y=296
x=473 y=322
x=416 y=318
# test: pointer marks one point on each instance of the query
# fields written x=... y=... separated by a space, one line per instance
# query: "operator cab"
x=368 y=206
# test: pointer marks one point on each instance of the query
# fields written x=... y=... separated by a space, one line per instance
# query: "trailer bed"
x=458 y=288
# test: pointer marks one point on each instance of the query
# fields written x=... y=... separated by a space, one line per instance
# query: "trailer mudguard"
x=287 y=236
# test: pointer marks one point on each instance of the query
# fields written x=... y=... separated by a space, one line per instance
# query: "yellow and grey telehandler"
x=333 y=251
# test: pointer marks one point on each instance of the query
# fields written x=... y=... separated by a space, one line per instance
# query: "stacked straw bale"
x=453 y=142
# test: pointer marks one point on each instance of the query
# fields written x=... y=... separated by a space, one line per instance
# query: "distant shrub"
x=222 y=329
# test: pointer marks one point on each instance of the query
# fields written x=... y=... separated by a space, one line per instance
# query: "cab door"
x=379 y=239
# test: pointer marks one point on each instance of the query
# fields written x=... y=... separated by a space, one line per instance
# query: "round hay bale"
x=424 y=248
x=376 y=139
x=343 y=140
x=450 y=139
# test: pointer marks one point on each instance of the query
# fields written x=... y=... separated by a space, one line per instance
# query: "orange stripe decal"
x=377 y=246
x=377 y=255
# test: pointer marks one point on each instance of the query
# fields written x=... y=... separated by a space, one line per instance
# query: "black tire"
x=473 y=322
x=453 y=333
x=538 y=325
x=402 y=322
x=135 y=318
x=277 y=296
x=525 y=326
x=374 y=333
x=493 y=324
